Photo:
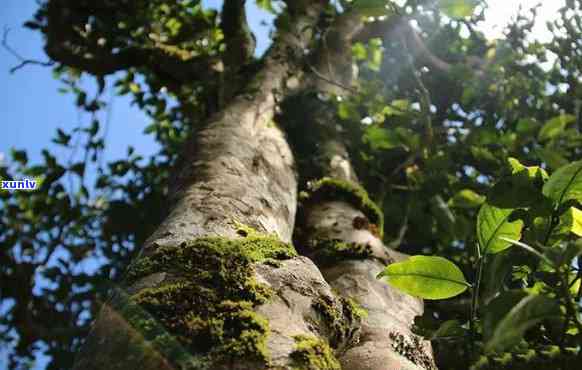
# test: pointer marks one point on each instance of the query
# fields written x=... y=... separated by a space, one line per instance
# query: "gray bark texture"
x=386 y=340
x=239 y=170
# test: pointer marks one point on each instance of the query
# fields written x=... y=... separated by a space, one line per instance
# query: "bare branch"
x=333 y=58
x=23 y=61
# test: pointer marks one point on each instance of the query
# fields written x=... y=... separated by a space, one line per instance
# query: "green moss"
x=207 y=302
x=334 y=189
x=358 y=312
x=312 y=353
x=343 y=320
x=329 y=251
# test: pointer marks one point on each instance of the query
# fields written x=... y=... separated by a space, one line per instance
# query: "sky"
x=31 y=108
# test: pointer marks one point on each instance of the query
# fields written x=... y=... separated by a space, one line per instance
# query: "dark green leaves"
x=372 y=8
x=492 y=223
x=565 y=184
x=556 y=126
x=426 y=277
x=508 y=317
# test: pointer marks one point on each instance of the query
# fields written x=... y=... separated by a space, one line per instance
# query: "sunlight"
x=500 y=13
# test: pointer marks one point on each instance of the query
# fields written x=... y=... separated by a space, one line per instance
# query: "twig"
x=330 y=81
x=14 y=53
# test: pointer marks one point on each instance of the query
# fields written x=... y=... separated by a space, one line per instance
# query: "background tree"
x=410 y=102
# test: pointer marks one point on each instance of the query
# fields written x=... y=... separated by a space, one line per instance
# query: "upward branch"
x=240 y=42
x=67 y=45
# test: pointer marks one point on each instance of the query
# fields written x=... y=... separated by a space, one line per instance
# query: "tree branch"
x=100 y=61
x=333 y=58
x=399 y=27
x=14 y=53
x=240 y=42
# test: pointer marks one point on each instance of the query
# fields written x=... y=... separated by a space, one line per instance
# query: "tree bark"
x=343 y=237
x=236 y=190
x=218 y=286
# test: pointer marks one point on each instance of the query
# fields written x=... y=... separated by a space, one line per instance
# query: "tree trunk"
x=219 y=286
x=341 y=231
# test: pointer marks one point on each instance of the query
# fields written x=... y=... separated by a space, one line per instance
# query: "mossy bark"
x=341 y=230
x=206 y=293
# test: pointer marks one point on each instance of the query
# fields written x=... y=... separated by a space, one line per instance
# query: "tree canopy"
x=471 y=148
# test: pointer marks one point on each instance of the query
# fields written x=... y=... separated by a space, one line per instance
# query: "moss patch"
x=207 y=302
x=330 y=251
x=343 y=320
x=334 y=189
x=312 y=353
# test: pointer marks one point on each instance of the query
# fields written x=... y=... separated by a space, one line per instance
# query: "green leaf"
x=398 y=107
x=19 y=156
x=551 y=157
x=371 y=8
x=534 y=172
x=134 y=88
x=555 y=126
x=466 y=198
x=571 y=222
x=492 y=223
x=521 y=189
x=380 y=138
x=427 y=277
x=359 y=51
x=565 y=184
x=375 y=53
x=450 y=328
x=458 y=8
x=510 y=315
x=266 y=5
x=62 y=138
x=526 y=126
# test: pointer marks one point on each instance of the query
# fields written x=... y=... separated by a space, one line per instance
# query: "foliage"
x=450 y=176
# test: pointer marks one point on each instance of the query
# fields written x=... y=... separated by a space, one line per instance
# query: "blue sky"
x=31 y=108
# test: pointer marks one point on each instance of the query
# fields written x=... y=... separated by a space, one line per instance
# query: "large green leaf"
x=492 y=223
x=555 y=126
x=458 y=8
x=427 y=277
x=565 y=184
x=508 y=316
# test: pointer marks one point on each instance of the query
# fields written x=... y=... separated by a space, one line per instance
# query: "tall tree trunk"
x=218 y=286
